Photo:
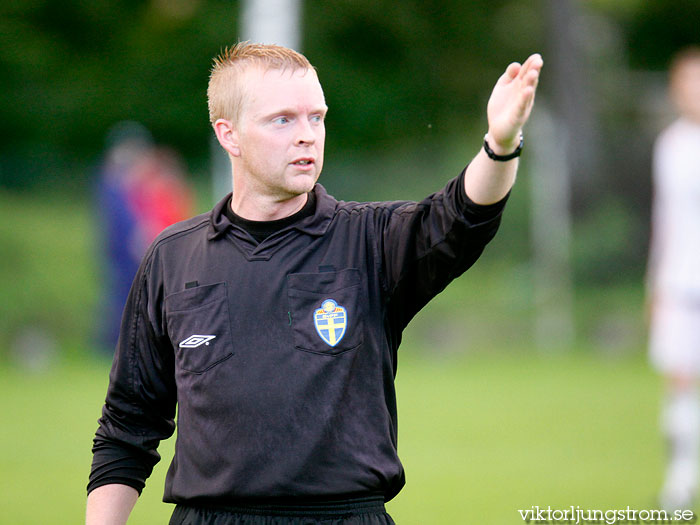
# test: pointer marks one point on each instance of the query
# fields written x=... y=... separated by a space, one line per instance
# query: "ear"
x=227 y=136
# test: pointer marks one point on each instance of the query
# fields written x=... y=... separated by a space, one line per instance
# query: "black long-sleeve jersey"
x=280 y=355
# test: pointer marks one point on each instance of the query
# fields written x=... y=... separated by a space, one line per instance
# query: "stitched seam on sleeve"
x=133 y=341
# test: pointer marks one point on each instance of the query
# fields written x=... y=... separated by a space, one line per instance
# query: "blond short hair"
x=226 y=91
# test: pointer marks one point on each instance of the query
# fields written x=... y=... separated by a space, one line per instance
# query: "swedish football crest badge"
x=330 y=321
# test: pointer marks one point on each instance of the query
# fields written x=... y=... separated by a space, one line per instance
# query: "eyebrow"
x=292 y=111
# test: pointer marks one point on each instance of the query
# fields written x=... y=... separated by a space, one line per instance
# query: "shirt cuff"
x=113 y=464
x=483 y=212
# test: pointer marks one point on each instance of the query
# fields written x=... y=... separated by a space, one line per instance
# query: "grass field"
x=481 y=436
x=487 y=425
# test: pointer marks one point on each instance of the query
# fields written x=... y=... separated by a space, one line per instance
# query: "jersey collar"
x=316 y=224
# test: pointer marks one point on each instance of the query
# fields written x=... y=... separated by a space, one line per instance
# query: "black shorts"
x=364 y=511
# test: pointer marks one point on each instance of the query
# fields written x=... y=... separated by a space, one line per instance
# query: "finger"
x=529 y=81
x=526 y=98
x=533 y=62
x=510 y=73
x=524 y=103
x=532 y=78
x=528 y=88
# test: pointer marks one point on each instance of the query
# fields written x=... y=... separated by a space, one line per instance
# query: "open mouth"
x=303 y=162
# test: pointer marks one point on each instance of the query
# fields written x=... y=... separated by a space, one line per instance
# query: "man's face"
x=685 y=88
x=281 y=132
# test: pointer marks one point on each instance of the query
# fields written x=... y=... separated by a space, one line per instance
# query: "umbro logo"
x=194 y=341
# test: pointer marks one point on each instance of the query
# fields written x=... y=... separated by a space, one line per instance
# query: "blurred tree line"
x=71 y=69
x=414 y=72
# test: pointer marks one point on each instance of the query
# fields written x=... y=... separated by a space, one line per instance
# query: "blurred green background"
x=514 y=390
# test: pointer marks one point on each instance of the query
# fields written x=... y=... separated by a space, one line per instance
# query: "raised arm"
x=487 y=180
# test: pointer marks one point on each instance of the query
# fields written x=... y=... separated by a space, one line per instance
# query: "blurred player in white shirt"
x=674 y=280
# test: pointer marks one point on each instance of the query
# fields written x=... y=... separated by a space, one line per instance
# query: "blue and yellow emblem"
x=331 y=321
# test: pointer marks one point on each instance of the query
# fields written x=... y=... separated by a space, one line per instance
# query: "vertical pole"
x=551 y=233
x=560 y=167
x=272 y=22
x=569 y=77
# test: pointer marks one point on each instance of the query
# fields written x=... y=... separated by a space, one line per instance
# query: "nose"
x=305 y=133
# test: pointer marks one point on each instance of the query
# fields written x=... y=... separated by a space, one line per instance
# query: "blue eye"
x=317 y=119
x=281 y=120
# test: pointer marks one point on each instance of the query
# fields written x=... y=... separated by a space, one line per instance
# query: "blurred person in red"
x=674 y=280
x=158 y=194
x=141 y=190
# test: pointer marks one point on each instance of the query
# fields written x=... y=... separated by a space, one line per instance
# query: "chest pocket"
x=199 y=327
x=327 y=311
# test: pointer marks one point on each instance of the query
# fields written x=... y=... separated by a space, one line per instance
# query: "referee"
x=273 y=321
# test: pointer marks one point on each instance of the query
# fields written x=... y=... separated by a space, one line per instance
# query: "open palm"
x=511 y=101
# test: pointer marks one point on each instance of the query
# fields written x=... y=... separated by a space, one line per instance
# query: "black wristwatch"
x=503 y=158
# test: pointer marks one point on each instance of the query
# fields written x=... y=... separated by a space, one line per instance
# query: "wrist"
x=503 y=151
x=501 y=146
